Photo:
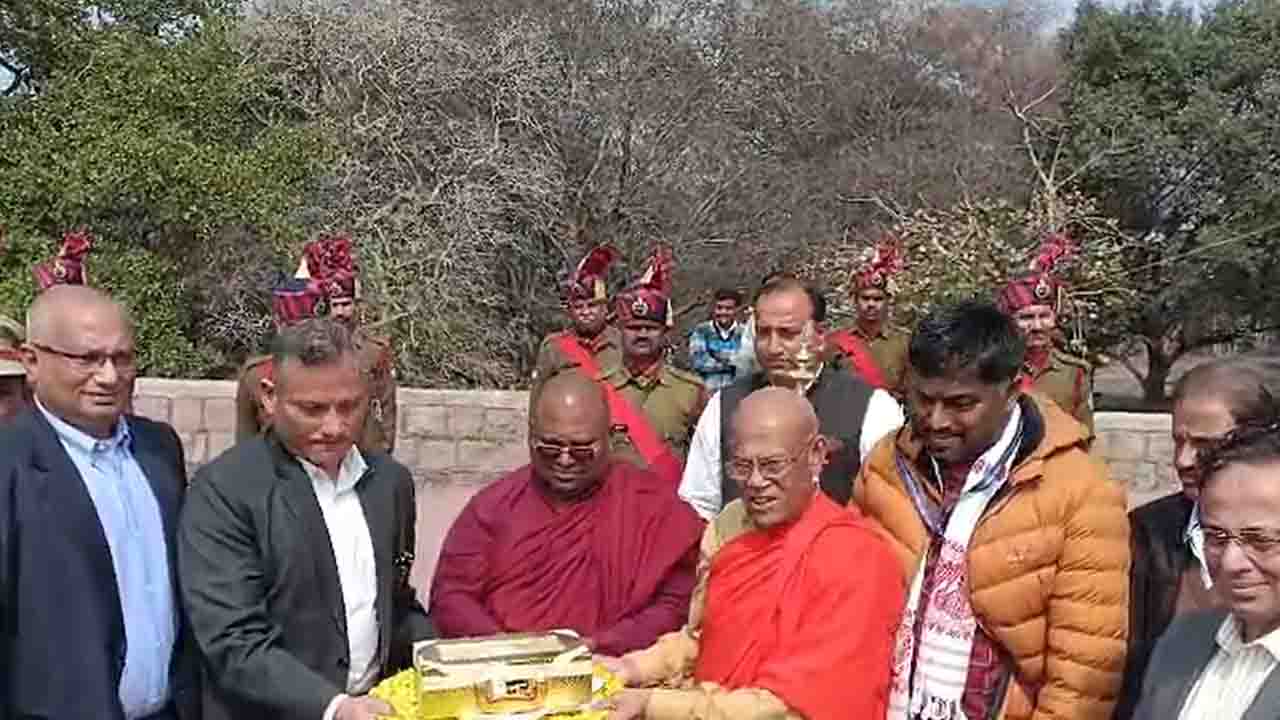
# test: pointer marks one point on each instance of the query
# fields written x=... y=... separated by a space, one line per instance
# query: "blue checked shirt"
x=713 y=353
x=130 y=518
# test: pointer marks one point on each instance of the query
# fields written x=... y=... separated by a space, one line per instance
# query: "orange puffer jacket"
x=1048 y=564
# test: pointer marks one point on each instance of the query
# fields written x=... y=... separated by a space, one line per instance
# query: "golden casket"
x=471 y=678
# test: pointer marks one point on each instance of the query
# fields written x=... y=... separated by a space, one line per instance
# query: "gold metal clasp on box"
x=498 y=690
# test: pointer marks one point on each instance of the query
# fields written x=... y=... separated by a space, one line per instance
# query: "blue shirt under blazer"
x=87 y=550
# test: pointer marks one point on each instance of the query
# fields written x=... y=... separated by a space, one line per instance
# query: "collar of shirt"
x=725 y=334
x=84 y=443
x=1231 y=642
x=646 y=378
x=1193 y=536
x=595 y=344
x=817 y=376
x=862 y=333
x=1038 y=363
x=349 y=472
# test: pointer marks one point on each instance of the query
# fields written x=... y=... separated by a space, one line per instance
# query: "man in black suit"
x=89 y=499
x=295 y=547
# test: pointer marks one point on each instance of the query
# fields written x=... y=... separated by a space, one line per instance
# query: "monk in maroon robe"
x=572 y=540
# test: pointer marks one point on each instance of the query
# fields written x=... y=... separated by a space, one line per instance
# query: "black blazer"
x=1182 y=654
x=261 y=586
x=62 y=641
x=1160 y=557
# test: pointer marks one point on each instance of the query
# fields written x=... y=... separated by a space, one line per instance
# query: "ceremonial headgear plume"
x=67 y=268
x=879 y=265
x=296 y=299
x=330 y=262
x=589 y=280
x=649 y=297
x=1040 y=286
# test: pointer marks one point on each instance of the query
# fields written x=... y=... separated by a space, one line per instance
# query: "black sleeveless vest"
x=840 y=401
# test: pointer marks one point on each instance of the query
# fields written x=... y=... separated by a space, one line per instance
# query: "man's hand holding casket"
x=363 y=708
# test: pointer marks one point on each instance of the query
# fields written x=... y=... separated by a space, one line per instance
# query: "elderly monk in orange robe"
x=797 y=598
x=573 y=540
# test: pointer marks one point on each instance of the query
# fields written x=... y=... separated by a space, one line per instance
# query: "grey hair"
x=1247 y=385
x=313 y=342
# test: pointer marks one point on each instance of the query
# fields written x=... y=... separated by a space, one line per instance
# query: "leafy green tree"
x=1174 y=124
x=973 y=248
x=179 y=148
x=139 y=278
x=40 y=38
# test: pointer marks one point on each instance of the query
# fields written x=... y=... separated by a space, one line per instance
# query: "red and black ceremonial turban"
x=67 y=267
x=649 y=298
x=1040 y=286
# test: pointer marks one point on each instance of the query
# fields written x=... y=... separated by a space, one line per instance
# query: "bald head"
x=54 y=312
x=776 y=455
x=569 y=436
x=570 y=393
x=79 y=357
x=775 y=410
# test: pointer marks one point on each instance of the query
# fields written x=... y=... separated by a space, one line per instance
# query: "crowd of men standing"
x=835 y=524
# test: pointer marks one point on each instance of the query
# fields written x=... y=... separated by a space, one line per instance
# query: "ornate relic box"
x=474 y=678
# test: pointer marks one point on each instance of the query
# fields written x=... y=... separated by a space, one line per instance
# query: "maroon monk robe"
x=617 y=567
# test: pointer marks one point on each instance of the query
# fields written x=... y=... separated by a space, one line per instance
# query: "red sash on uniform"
x=646 y=440
x=856 y=350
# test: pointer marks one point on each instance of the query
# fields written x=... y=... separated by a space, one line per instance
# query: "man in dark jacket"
x=295 y=549
x=89 y=498
x=1169 y=576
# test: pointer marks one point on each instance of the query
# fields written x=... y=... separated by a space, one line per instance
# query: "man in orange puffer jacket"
x=1013 y=540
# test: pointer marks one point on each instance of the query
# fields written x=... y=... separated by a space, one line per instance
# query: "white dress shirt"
x=1234 y=676
x=700 y=484
x=1193 y=536
x=357 y=572
x=744 y=361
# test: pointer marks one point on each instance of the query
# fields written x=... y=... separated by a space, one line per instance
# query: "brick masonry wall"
x=457 y=441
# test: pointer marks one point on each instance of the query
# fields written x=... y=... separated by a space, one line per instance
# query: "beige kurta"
x=670 y=662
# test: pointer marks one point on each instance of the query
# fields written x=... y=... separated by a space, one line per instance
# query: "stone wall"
x=1138 y=448
x=456 y=441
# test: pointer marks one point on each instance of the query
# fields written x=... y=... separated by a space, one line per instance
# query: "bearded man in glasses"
x=575 y=539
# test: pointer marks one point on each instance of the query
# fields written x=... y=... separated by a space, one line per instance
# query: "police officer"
x=874 y=351
x=586 y=300
x=1034 y=299
x=670 y=399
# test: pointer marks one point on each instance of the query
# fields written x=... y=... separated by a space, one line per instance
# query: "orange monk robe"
x=794 y=622
x=618 y=566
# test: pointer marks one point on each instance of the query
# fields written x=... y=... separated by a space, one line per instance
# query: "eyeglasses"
x=772 y=469
x=123 y=361
x=1255 y=542
x=579 y=453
